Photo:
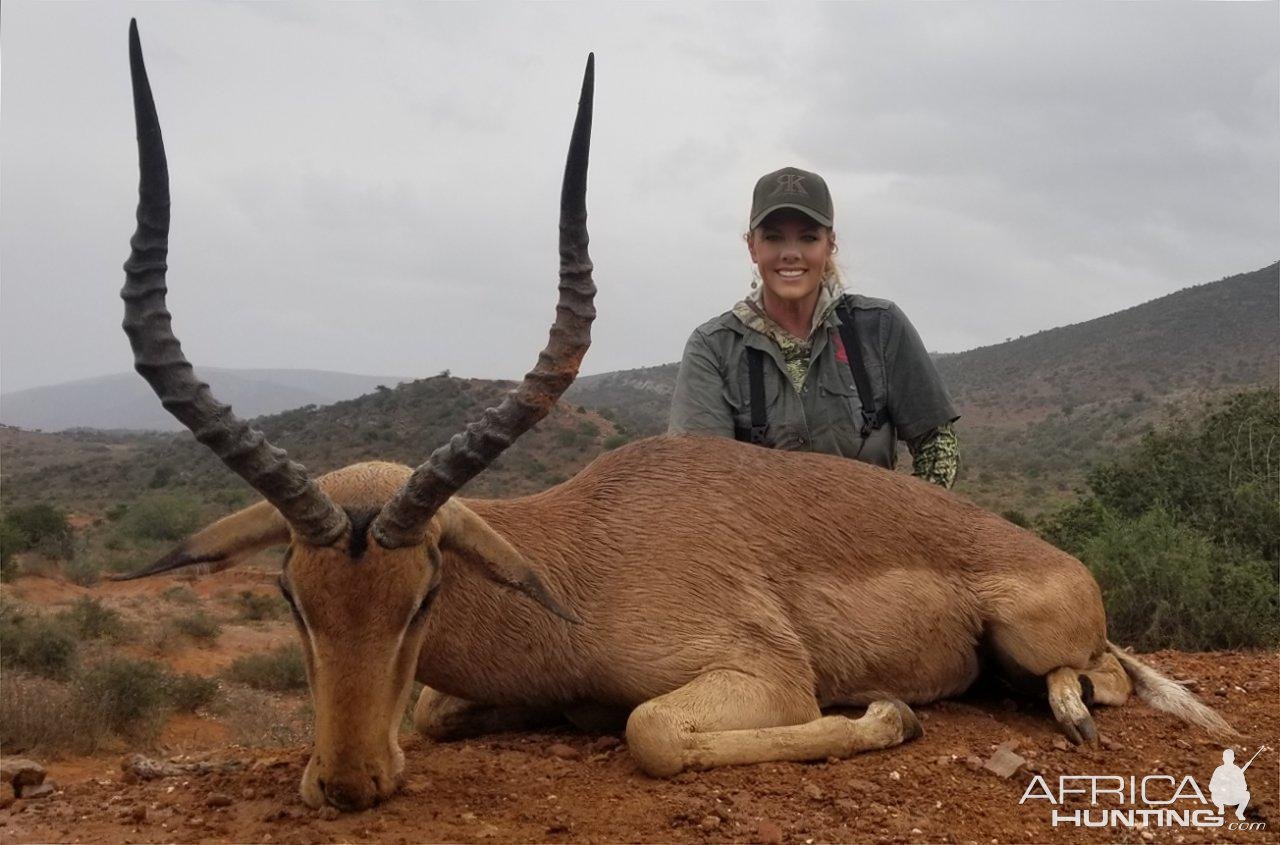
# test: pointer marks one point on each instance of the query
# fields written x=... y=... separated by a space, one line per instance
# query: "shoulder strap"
x=757 y=434
x=872 y=416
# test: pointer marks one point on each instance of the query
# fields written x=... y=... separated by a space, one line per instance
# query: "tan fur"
x=725 y=592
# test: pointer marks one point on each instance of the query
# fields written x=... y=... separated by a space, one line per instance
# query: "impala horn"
x=158 y=356
x=403 y=520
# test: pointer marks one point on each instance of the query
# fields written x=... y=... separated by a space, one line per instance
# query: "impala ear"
x=469 y=536
x=223 y=544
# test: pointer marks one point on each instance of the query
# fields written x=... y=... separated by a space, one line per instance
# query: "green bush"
x=127 y=697
x=40 y=523
x=1220 y=477
x=613 y=441
x=168 y=517
x=256 y=607
x=1166 y=585
x=197 y=625
x=82 y=570
x=90 y=619
x=278 y=670
x=179 y=594
x=39 y=645
x=12 y=540
x=188 y=693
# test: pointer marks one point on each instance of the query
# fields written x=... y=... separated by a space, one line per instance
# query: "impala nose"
x=349 y=796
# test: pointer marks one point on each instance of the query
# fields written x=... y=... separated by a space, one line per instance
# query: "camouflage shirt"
x=817 y=408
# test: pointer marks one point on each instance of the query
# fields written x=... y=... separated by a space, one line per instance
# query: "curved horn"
x=403 y=520
x=158 y=356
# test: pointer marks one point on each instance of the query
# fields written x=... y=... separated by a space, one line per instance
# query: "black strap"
x=758 y=433
x=872 y=417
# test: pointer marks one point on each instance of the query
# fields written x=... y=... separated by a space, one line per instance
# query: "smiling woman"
x=800 y=364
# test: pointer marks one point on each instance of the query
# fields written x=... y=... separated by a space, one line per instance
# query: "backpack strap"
x=872 y=416
x=758 y=432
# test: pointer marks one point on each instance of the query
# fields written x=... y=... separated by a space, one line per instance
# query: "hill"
x=1037 y=410
x=90 y=471
x=124 y=401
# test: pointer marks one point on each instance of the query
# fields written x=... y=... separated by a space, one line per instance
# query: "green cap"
x=792 y=187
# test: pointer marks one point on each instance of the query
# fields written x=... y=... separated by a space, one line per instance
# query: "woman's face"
x=791 y=251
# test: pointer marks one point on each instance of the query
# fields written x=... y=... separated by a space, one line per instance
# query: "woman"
x=776 y=369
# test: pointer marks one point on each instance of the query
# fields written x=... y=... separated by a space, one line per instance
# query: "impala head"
x=366 y=543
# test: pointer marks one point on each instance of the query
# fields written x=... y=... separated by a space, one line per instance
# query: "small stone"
x=1004 y=762
x=917 y=831
x=895 y=775
x=488 y=831
x=136 y=814
x=467 y=817
x=37 y=791
x=973 y=763
x=328 y=812
x=1147 y=836
x=709 y=822
x=813 y=791
x=847 y=805
x=1108 y=743
x=943 y=760
x=564 y=752
x=20 y=772
x=1060 y=743
x=219 y=799
x=768 y=833
x=604 y=743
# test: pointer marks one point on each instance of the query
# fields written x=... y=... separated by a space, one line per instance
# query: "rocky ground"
x=961 y=782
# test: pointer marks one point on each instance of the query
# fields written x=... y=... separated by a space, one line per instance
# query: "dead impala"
x=720 y=593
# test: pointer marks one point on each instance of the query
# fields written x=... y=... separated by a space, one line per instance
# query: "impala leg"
x=726 y=717
x=1066 y=699
x=445 y=717
x=1109 y=683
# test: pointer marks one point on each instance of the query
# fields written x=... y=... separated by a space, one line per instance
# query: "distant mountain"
x=124 y=401
x=88 y=470
x=1037 y=411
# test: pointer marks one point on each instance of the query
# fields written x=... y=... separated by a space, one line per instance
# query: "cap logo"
x=790 y=183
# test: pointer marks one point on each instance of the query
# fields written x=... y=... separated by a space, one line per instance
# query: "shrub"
x=256 y=607
x=116 y=512
x=167 y=517
x=179 y=594
x=127 y=697
x=1017 y=517
x=12 y=540
x=39 y=645
x=40 y=715
x=278 y=670
x=40 y=523
x=90 y=619
x=82 y=570
x=1166 y=585
x=189 y=693
x=613 y=441
x=197 y=625
x=258 y=718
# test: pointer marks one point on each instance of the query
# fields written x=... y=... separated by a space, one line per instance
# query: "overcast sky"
x=373 y=188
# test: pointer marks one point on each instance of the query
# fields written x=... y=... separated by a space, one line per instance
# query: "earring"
x=755 y=278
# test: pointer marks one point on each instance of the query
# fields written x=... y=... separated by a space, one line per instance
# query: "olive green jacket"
x=712 y=394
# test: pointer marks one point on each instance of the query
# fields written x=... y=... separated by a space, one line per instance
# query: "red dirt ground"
x=511 y=788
